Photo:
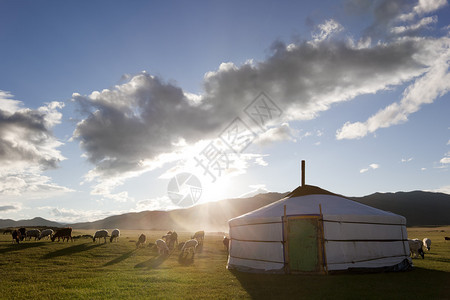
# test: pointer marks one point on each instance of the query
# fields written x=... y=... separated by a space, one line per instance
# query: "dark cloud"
x=357 y=7
x=135 y=122
x=26 y=136
x=8 y=207
x=385 y=13
x=27 y=148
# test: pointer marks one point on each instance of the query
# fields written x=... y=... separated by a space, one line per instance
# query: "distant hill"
x=29 y=223
x=419 y=208
x=212 y=216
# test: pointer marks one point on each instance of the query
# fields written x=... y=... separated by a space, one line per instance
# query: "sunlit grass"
x=87 y=270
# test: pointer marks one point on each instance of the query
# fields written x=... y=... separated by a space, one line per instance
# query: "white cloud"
x=371 y=167
x=7 y=104
x=423 y=169
x=327 y=29
x=443 y=189
x=65 y=215
x=374 y=166
x=434 y=83
x=406 y=160
x=414 y=27
x=282 y=133
x=29 y=184
x=423 y=7
x=446 y=158
x=28 y=148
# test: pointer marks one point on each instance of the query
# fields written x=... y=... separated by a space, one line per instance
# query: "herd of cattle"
x=21 y=234
x=164 y=245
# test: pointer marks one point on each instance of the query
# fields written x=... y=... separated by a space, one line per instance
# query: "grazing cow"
x=415 y=247
x=16 y=236
x=162 y=247
x=115 y=235
x=46 y=233
x=64 y=233
x=226 y=242
x=33 y=233
x=427 y=243
x=188 y=246
x=447 y=238
x=23 y=233
x=100 y=234
x=141 y=240
x=9 y=230
x=199 y=236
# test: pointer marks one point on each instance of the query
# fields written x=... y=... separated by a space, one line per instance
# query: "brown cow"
x=64 y=233
x=16 y=236
x=23 y=233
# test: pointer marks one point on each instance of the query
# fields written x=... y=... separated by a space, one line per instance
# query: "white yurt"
x=315 y=231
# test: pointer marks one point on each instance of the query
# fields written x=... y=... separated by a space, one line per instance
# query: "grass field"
x=86 y=270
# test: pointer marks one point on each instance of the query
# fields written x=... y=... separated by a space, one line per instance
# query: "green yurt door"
x=304 y=244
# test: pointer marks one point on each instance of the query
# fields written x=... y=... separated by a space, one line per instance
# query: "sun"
x=220 y=189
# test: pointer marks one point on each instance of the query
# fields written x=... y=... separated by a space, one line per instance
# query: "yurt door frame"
x=304 y=251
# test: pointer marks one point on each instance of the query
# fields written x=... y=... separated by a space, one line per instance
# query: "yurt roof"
x=312 y=200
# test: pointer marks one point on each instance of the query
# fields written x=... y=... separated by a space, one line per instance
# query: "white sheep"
x=415 y=247
x=188 y=246
x=115 y=235
x=33 y=233
x=46 y=233
x=162 y=247
x=100 y=234
x=427 y=243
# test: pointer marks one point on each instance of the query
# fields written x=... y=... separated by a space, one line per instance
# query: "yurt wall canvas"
x=320 y=232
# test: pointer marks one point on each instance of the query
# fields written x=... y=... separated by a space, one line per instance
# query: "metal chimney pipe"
x=303 y=173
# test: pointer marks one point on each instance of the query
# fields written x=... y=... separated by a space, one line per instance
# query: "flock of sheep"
x=170 y=241
x=166 y=243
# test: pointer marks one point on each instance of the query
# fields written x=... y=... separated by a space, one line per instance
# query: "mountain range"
x=420 y=209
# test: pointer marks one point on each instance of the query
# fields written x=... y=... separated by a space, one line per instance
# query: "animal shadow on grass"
x=152 y=263
x=186 y=260
x=71 y=250
x=120 y=258
x=21 y=246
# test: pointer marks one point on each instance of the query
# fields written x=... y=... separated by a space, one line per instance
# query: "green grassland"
x=86 y=270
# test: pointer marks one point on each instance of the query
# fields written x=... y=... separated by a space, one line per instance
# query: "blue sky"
x=102 y=103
